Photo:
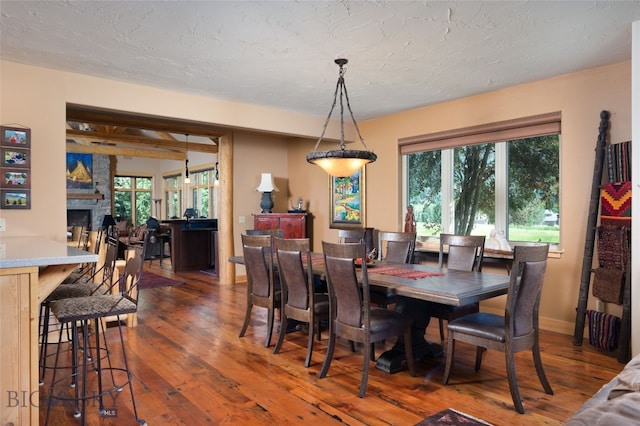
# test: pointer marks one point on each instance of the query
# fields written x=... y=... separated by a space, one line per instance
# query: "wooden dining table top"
x=429 y=283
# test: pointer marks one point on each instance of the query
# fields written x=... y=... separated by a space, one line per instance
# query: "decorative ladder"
x=624 y=349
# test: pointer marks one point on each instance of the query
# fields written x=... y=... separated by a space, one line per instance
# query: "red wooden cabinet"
x=294 y=225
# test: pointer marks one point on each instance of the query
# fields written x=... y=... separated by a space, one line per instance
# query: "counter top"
x=18 y=252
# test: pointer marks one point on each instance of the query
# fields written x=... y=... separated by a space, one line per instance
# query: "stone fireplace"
x=89 y=212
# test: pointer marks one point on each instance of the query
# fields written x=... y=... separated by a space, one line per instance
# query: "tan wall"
x=580 y=97
x=36 y=98
x=255 y=154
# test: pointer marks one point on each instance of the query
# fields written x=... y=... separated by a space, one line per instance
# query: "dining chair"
x=83 y=313
x=396 y=247
x=351 y=315
x=300 y=302
x=350 y=235
x=279 y=233
x=262 y=288
x=465 y=253
x=517 y=329
x=393 y=247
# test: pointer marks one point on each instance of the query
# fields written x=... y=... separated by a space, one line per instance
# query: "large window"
x=173 y=196
x=503 y=176
x=202 y=190
x=132 y=195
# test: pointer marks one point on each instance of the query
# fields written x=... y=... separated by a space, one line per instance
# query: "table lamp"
x=266 y=187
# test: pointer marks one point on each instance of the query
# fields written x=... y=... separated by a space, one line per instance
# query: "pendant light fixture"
x=341 y=162
x=186 y=160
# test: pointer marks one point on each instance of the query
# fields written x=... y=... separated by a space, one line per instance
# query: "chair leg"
x=247 y=318
x=270 y=321
x=283 y=331
x=538 y=363
x=312 y=324
x=329 y=355
x=513 y=384
x=129 y=376
x=479 y=351
x=451 y=348
x=44 y=339
x=53 y=382
x=365 y=370
x=441 y=326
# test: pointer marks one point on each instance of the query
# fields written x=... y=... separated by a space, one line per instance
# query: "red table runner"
x=315 y=258
x=402 y=272
x=386 y=269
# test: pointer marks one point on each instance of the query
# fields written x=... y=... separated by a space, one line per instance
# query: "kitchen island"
x=30 y=269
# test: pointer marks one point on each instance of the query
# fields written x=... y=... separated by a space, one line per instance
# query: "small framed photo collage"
x=15 y=170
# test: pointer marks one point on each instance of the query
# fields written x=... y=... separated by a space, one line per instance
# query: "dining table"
x=417 y=288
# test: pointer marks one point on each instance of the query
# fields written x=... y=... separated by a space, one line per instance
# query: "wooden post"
x=226 y=269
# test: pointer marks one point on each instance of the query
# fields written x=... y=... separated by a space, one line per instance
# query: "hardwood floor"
x=191 y=368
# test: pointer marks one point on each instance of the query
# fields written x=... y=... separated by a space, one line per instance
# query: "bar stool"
x=77 y=314
x=94 y=281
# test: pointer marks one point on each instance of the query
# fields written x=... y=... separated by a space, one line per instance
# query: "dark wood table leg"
x=393 y=360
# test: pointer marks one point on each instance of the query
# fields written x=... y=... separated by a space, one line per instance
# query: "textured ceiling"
x=402 y=54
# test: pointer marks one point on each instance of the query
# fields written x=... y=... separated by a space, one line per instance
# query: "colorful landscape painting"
x=347 y=201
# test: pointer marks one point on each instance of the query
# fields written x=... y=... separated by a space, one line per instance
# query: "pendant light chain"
x=341 y=162
x=186 y=160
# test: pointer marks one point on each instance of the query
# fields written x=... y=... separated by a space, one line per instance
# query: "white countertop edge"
x=16 y=252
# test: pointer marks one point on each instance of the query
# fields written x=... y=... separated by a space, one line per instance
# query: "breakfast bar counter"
x=30 y=269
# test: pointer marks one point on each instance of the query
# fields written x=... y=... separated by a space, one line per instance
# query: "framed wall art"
x=16 y=158
x=347 y=201
x=15 y=168
x=15 y=199
x=16 y=178
x=79 y=171
x=16 y=137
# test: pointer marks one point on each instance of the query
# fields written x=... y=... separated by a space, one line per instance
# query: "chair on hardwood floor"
x=465 y=253
x=300 y=302
x=393 y=247
x=350 y=236
x=517 y=330
x=262 y=288
x=79 y=313
x=351 y=314
x=276 y=233
x=93 y=281
x=396 y=247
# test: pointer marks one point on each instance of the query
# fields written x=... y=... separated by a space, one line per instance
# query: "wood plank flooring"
x=191 y=368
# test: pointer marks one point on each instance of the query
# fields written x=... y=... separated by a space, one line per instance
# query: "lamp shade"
x=341 y=162
x=189 y=213
x=267 y=184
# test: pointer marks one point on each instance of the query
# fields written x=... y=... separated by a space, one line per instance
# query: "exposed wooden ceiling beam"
x=120 y=150
x=87 y=114
x=139 y=142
